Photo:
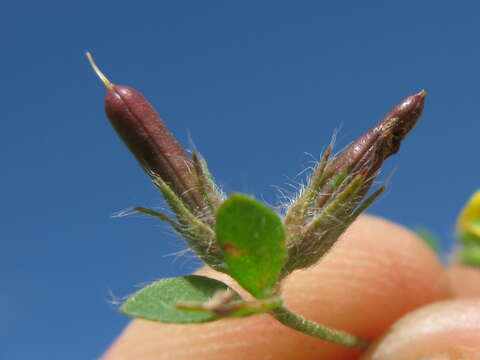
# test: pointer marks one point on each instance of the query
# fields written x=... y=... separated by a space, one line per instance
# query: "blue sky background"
x=257 y=84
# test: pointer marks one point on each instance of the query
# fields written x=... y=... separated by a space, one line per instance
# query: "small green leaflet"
x=158 y=301
x=180 y=300
x=253 y=242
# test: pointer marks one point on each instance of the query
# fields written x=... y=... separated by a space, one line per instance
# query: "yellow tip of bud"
x=102 y=77
x=422 y=94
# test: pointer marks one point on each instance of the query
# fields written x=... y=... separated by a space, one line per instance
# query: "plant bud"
x=186 y=184
x=468 y=223
x=384 y=139
x=152 y=144
x=393 y=128
x=335 y=194
x=468 y=231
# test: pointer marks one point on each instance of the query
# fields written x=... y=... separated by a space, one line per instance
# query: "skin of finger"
x=464 y=281
x=377 y=272
x=445 y=330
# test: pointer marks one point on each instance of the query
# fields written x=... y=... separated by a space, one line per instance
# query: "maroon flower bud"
x=392 y=129
x=185 y=183
x=335 y=194
x=152 y=144
x=376 y=145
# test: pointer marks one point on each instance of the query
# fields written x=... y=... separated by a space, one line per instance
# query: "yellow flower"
x=469 y=220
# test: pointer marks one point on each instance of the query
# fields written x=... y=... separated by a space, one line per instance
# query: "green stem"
x=311 y=328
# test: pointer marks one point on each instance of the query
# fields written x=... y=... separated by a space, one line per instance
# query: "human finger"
x=446 y=330
x=464 y=281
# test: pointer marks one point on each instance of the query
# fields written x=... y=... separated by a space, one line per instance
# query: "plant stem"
x=311 y=328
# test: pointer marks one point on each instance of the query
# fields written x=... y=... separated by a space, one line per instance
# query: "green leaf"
x=253 y=242
x=158 y=301
x=470 y=255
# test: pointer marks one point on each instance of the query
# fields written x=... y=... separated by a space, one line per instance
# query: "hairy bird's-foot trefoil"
x=239 y=235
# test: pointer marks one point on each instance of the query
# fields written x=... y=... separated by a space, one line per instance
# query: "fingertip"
x=446 y=330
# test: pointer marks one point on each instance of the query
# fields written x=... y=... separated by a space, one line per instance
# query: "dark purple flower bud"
x=185 y=183
x=141 y=129
x=336 y=192
x=391 y=130
x=376 y=145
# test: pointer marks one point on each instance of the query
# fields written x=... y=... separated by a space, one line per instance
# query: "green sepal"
x=158 y=301
x=470 y=255
x=252 y=238
x=469 y=238
x=321 y=233
x=199 y=236
x=160 y=216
